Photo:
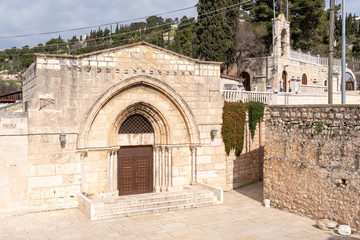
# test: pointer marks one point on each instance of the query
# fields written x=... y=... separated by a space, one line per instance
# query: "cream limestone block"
x=68 y=168
x=45 y=170
x=219 y=166
x=207 y=174
x=36 y=182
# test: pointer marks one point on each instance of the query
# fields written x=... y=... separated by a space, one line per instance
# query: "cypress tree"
x=215 y=31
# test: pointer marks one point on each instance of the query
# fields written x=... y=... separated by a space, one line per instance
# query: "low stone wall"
x=311 y=163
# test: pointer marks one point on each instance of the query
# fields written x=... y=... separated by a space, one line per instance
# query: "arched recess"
x=283 y=42
x=304 y=79
x=246 y=76
x=284 y=79
x=349 y=81
x=325 y=83
x=153 y=115
x=140 y=80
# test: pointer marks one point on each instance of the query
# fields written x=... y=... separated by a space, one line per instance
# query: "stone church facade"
x=137 y=110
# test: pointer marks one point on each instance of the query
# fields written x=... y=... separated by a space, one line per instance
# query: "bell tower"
x=282 y=36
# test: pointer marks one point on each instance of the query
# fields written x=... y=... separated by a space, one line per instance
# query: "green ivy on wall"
x=256 y=113
x=232 y=129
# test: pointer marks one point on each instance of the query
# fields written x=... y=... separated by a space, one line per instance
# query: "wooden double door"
x=135 y=171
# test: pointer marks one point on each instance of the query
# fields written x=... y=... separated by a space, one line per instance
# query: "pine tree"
x=214 y=31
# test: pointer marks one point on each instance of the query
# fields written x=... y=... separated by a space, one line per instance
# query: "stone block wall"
x=311 y=163
x=13 y=162
x=248 y=167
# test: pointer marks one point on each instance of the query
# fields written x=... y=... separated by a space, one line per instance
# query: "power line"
x=94 y=26
x=217 y=11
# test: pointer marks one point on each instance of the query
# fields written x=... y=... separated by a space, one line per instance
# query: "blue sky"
x=19 y=17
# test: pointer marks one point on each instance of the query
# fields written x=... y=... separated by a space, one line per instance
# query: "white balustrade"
x=308 y=58
x=246 y=96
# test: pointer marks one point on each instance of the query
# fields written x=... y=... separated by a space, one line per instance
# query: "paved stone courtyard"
x=240 y=217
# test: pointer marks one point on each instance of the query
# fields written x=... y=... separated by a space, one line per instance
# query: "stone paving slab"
x=242 y=216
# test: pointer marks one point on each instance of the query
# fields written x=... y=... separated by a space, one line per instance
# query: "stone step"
x=154 y=210
x=151 y=204
x=195 y=196
x=138 y=199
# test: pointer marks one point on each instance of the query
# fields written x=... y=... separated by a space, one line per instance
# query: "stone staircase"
x=193 y=196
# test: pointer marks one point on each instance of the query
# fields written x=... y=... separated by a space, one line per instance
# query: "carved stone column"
x=163 y=169
x=82 y=174
x=169 y=169
x=157 y=170
x=108 y=158
x=193 y=165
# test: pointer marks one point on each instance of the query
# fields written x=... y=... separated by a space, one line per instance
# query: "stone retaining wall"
x=311 y=163
x=247 y=168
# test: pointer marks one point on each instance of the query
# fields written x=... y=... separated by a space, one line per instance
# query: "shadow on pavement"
x=344 y=237
x=253 y=191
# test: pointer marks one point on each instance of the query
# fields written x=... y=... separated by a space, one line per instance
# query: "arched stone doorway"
x=284 y=79
x=175 y=137
x=304 y=79
x=246 y=76
x=134 y=163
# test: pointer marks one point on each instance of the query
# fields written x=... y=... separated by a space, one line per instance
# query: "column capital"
x=194 y=146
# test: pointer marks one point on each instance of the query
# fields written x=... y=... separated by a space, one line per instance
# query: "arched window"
x=349 y=82
x=284 y=79
x=304 y=79
x=283 y=42
x=325 y=83
x=136 y=124
x=246 y=76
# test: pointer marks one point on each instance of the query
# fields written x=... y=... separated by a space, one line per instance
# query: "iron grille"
x=136 y=124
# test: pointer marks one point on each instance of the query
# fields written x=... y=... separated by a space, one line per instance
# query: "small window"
x=136 y=124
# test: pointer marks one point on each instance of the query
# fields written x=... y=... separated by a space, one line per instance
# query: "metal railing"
x=246 y=96
x=11 y=97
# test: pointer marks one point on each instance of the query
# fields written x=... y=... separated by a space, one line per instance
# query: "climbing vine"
x=232 y=129
x=256 y=113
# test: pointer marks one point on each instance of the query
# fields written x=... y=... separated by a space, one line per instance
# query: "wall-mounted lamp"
x=315 y=81
x=298 y=79
x=213 y=133
x=62 y=138
x=268 y=86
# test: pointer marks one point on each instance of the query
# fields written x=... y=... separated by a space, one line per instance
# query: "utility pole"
x=287 y=10
x=343 y=54
x=331 y=52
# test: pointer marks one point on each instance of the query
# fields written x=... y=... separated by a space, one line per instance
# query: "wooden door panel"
x=142 y=174
x=135 y=170
x=126 y=174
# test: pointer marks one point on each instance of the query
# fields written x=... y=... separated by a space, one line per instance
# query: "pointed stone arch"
x=150 y=113
x=141 y=80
